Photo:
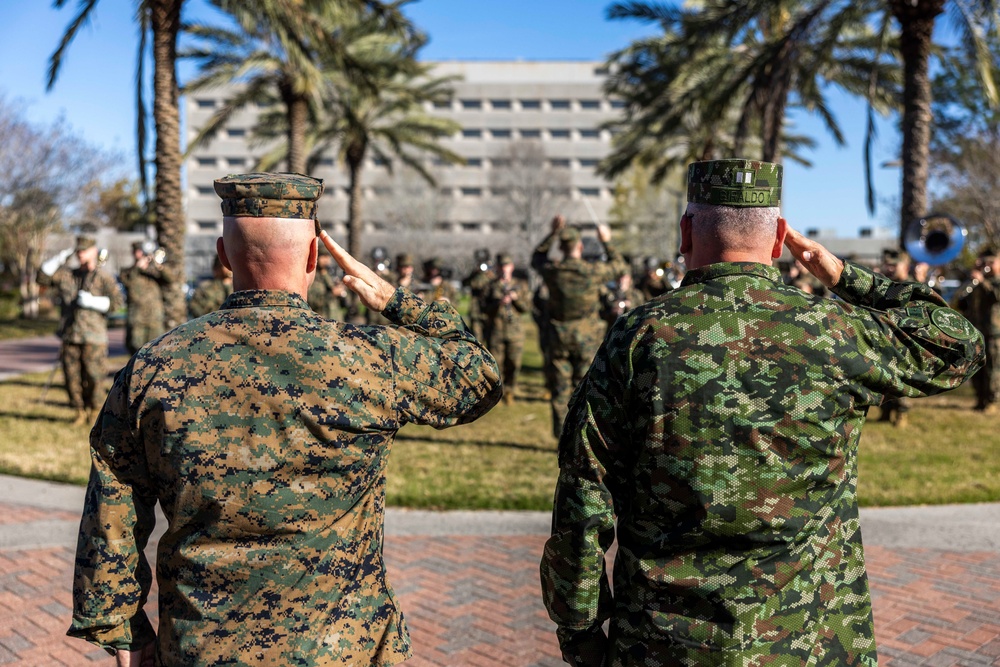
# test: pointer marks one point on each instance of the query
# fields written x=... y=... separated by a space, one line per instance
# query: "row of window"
x=530 y=104
x=531 y=133
x=460 y=192
x=467 y=104
x=472 y=162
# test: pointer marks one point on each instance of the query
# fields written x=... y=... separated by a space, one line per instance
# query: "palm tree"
x=973 y=20
x=383 y=117
x=272 y=59
x=723 y=75
x=160 y=20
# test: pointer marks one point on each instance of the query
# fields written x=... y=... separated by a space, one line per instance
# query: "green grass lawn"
x=507 y=459
x=18 y=328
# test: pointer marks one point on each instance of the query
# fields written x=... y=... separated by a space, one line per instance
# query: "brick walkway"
x=473 y=600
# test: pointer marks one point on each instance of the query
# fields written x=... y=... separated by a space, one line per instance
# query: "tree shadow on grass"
x=479 y=443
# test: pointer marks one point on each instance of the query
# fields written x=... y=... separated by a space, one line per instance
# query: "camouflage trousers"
x=138 y=334
x=572 y=348
x=986 y=382
x=85 y=367
x=507 y=351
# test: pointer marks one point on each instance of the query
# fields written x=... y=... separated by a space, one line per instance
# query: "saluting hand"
x=373 y=291
x=821 y=262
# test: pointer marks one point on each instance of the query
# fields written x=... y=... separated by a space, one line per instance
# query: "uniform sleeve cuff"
x=130 y=635
x=855 y=284
x=404 y=307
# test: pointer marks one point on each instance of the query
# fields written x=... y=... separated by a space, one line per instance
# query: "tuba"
x=934 y=239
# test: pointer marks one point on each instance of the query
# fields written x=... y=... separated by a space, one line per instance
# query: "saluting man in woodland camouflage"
x=211 y=293
x=575 y=329
x=507 y=299
x=716 y=436
x=87 y=294
x=263 y=431
x=143 y=296
x=984 y=310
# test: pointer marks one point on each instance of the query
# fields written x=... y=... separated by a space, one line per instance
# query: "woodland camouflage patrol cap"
x=269 y=195
x=85 y=242
x=569 y=235
x=735 y=182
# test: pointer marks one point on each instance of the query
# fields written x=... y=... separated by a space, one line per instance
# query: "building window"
x=236 y=132
x=379 y=162
x=473 y=162
x=500 y=134
x=472 y=192
x=500 y=163
x=590 y=192
x=500 y=104
x=590 y=134
x=442 y=104
x=472 y=104
x=206 y=190
x=445 y=192
x=588 y=163
x=442 y=226
x=206 y=162
x=531 y=134
x=590 y=105
x=601 y=71
x=205 y=104
x=471 y=226
x=326 y=162
x=559 y=105
x=559 y=163
x=472 y=134
x=236 y=161
x=382 y=191
x=207 y=225
x=440 y=162
x=500 y=192
x=559 y=134
x=617 y=104
x=531 y=104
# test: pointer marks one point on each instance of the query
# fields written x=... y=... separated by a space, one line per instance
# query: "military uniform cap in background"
x=735 y=182
x=432 y=263
x=269 y=195
x=404 y=259
x=505 y=259
x=85 y=242
x=569 y=235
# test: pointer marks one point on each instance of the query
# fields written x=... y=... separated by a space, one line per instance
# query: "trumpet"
x=934 y=239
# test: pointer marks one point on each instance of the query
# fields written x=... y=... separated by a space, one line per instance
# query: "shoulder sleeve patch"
x=952 y=324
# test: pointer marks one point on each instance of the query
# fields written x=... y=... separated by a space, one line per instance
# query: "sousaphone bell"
x=934 y=239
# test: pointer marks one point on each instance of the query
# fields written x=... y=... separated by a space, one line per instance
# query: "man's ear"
x=220 y=247
x=313 y=258
x=685 y=234
x=779 y=238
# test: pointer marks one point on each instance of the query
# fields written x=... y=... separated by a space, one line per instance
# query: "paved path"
x=468 y=581
x=31 y=355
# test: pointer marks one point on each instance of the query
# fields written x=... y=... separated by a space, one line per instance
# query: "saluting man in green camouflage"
x=87 y=294
x=716 y=437
x=263 y=431
x=212 y=292
x=144 y=298
x=575 y=328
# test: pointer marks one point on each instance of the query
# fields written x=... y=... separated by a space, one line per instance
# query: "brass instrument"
x=934 y=239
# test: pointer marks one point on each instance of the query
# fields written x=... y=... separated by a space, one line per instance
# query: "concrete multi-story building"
x=531 y=138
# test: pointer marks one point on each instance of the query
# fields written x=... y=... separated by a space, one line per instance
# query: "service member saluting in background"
x=716 y=437
x=263 y=431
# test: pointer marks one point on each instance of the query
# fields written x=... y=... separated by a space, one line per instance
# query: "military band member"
x=620 y=298
x=983 y=309
x=263 y=430
x=436 y=287
x=144 y=297
x=88 y=293
x=507 y=299
x=716 y=437
x=327 y=294
x=212 y=293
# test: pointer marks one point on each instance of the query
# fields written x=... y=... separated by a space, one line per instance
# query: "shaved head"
x=728 y=233
x=269 y=253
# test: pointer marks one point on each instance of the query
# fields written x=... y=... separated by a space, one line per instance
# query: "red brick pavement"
x=474 y=601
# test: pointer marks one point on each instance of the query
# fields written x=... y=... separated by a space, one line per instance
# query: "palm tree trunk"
x=298 y=117
x=916 y=20
x=170 y=223
x=354 y=223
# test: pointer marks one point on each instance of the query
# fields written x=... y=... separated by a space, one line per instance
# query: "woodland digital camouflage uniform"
x=84 y=332
x=263 y=430
x=209 y=296
x=505 y=324
x=719 y=427
x=145 y=318
x=575 y=329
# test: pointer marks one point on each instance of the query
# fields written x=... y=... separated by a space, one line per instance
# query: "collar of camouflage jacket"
x=264 y=298
x=714 y=271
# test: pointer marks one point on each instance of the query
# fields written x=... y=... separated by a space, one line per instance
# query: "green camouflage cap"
x=505 y=259
x=735 y=182
x=269 y=195
x=404 y=259
x=569 y=235
x=85 y=242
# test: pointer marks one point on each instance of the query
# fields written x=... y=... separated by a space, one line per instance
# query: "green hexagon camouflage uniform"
x=719 y=427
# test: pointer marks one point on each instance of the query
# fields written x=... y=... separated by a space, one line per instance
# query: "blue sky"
x=95 y=90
